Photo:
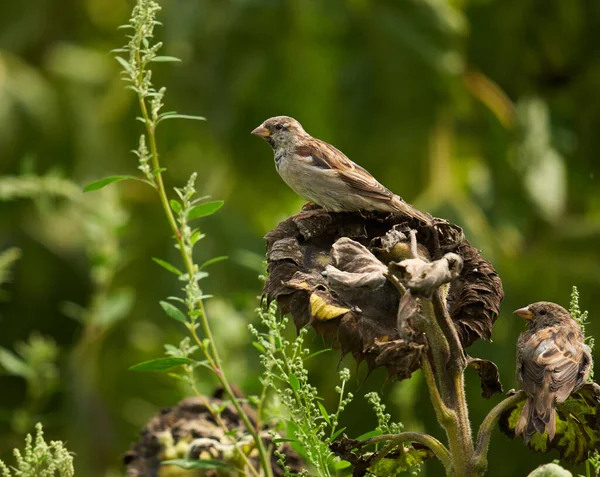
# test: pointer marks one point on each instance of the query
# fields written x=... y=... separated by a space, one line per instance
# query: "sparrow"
x=552 y=362
x=322 y=174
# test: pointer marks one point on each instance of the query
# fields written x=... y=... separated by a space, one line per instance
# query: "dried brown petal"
x=354 y=266
x=488 y=374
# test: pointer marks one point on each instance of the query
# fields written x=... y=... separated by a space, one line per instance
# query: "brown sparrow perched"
x=322 y=174
x=552 y=362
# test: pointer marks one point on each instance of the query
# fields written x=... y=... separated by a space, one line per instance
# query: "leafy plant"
x=40 y=459
x=140 y=52
x=309 y=425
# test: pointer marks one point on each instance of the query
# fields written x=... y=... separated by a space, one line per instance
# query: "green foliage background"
x=483 y=112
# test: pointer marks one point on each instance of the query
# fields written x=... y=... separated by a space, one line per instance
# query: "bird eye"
x=542 y=312
x=279 y=127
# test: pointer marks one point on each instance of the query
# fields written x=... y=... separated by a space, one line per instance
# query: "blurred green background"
x=484 y=112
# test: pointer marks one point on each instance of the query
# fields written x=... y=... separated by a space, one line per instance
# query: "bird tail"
x=399 y=205
x=538 y=415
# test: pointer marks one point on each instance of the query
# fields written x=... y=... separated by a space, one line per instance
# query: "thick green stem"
x=480 y=462
x=449 y=399
x=438 y=449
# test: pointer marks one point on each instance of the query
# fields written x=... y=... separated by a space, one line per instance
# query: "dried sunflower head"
x=329 y=270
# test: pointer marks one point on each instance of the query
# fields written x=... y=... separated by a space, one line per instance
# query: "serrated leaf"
x=100 y=183
x=160 y=365
x=577 y=433
x=173 y=311
x=294 y=383
x=166 y=59
x=167 y=266
x=213 y=261
x=324 y=413
x=204 y=210
x=189 y=464
x=175 y=205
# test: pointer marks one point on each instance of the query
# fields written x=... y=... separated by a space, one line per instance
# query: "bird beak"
x=261 y=131
x=524 y=313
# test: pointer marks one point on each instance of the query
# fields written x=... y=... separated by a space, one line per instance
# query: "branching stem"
x=428 y=441
x=485 y=430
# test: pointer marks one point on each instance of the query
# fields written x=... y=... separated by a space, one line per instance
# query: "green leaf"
x=294 y=383
x=213 y=261
x=198 y=276
x=13 y=364
x=189 y=464
x=167 y=266
x=124 y=63
x=175 y=205
x=204 y=210
x=100 y=183
x=115 y=307
x=342 y=464
x=196 y=236
x=337 y=433
x=165 y=116
x=317 y=353
x=160 y=365
x=387 y=467
x=173 y=311
x=324 y=413
x=166 y=59
x=368 y=435
x=278 y=440
x=259 y=347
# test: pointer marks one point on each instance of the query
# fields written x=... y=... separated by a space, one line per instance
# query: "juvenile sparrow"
x=552 y=362
x=322 y=174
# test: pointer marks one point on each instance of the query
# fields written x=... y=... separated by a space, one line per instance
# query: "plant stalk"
x=211 y=353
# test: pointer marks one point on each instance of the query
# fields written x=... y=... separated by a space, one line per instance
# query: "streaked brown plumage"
x=552 y=362
x=322 y=174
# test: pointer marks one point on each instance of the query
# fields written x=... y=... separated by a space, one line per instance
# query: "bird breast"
x=320 y=186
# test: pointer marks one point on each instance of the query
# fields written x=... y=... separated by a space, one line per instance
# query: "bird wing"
x=552 y=361
x=326 y=156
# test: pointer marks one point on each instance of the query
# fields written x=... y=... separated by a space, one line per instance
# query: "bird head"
x=543 y=314
x=280 y=131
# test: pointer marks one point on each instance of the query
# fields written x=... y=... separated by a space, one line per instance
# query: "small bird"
x=552 y=362
x=322 y=174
